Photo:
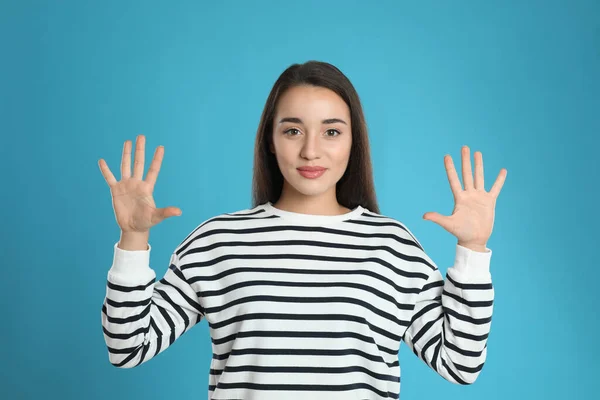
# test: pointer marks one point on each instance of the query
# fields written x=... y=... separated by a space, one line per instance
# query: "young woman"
x=309 y=292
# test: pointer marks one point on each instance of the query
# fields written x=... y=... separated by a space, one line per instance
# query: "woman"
x=308 y=293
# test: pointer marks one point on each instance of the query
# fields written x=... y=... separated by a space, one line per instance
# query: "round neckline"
x=312 y=219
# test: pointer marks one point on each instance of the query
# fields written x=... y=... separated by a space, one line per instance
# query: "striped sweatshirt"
x=303 y=306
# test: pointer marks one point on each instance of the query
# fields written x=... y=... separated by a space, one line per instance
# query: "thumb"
x=167 y=212
x=436 y=217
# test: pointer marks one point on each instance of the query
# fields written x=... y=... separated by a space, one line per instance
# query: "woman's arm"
x=452 y=317
x=142 y=317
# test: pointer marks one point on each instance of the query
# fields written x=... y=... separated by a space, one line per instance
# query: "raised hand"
x=472 y=219
x=133 y=204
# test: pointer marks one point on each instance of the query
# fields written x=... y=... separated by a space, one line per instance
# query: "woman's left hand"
x=473 y=216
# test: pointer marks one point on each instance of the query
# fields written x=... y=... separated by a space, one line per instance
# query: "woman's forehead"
x=311 y=103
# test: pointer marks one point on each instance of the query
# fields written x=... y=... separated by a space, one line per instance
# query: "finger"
x=138 y=162
x=438 y=218
x=495 y=190
x=479 y=185
x=155 y=165
x=466 y=168
x=171 y=212
x=126 y=160
x=108 y=176
x=164 y=213
x=452 y=175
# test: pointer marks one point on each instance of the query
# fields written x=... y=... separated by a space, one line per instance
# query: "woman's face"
x=311 y=128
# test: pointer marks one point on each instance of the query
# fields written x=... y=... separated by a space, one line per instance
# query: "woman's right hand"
x=133 y=204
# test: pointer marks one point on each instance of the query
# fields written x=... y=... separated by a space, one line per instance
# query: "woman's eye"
x=334 y=130
x=289 y=130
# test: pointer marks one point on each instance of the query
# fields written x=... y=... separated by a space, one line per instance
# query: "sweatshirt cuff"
x=131 y=266
x=469 y=264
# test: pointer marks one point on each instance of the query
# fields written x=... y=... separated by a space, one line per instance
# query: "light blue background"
x=520 y=82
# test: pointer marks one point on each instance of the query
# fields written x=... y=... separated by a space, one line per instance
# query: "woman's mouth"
x=312 y=172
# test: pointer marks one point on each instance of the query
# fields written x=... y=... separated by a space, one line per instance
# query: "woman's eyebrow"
x=299 y=121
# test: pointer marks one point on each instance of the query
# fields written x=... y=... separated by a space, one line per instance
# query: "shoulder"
x=220 y=223
x=391 y=224
x=404 y=243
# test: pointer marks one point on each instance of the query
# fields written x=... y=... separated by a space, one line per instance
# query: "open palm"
x=472 y=219
x=133 y=203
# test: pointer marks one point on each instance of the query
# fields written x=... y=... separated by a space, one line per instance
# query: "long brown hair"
x=356 y=186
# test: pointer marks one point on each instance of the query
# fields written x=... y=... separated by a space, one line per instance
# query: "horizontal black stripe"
x=469 y=303
x=464 y=352
x=308 y=388
x=467 y=318
x=304 y=370
x=125 y=350
x=244 y=214
x=415 y=242
x=273 y=270
x=466 y=335
x=305 y=317
x=131 y=318
x=468 y=286
x=234 y=217
x=213 y=293
x=121 y=304
x=302 y=334
x=308 y=300
x=127 y=289
x=471 y=370
x=310 y=257
x=305 y=352
x=123 y=336
x=432 y=285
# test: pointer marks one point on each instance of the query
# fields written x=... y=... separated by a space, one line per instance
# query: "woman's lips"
x=311 y=173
